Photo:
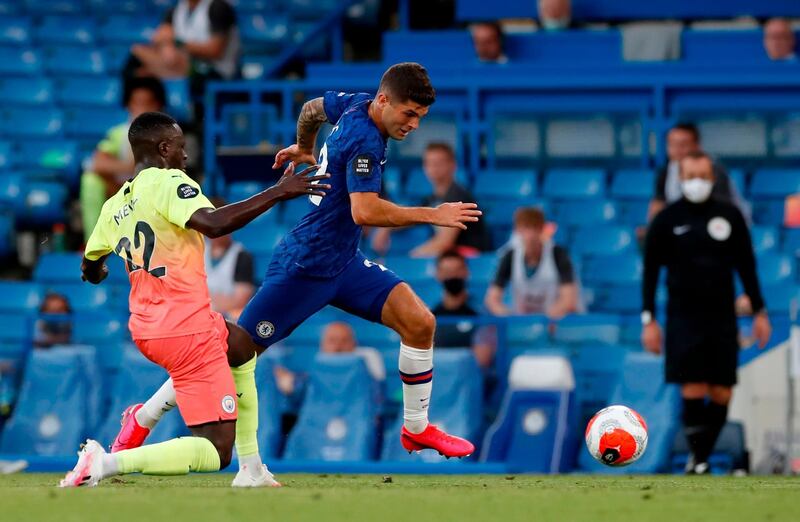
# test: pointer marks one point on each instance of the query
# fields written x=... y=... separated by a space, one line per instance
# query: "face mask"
x=554 y=24
x=454 y=285
x=56 y=324
x=697 y=190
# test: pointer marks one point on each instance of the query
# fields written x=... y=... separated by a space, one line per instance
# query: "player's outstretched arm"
x=311 y=118
x=369 y=209
x=94 y=271
x=224 y=220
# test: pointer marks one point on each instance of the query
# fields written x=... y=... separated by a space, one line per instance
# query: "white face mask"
x=554 y=24
x=697 y=190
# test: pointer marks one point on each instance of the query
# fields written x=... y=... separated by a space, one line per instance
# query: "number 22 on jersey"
x=148 y=244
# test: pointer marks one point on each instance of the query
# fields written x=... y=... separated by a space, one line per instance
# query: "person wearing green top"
x=112 y=162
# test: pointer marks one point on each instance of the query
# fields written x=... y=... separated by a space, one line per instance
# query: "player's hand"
x=294 y=154
x=297 y=184
x=102 y=274
x=456 y=215
x=762 y=330
x=651 y=337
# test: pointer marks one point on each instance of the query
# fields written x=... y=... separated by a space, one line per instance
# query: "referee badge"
x=719 y=229
x=265 y=329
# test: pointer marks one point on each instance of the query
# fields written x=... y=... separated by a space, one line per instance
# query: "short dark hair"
x=146 y=124
x=450 y=254
x=408 y=81
x=689 y=127
x=529 y=217
x=50 y=296
x=149 y=83
x=442 y=146
x=492 y=24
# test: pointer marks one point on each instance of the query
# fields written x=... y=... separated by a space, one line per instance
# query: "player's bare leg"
x=407 y=315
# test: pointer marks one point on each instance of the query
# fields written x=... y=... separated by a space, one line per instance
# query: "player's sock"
x=694 y=425
x=160 y=403
x=247 y=420
x=416 y=372
x=716 y=415
x=173 y=457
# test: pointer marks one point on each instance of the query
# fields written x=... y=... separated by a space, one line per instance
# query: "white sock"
x=160 y=403
x=416 y=372
x=253 y=463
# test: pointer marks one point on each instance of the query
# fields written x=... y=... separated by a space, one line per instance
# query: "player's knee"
x=422 y=324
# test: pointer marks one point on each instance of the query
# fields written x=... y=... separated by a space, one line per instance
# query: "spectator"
x=54 y=325
x=197 y=39
x=555 y=15
x=540 y=273
x=439 y=164
x=682 y=140
x=229 y=268
x=112 y=162
x=453 y=274
x=487 y=37
x=779 y=40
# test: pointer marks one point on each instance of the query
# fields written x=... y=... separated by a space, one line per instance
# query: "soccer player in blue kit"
x=318 y=262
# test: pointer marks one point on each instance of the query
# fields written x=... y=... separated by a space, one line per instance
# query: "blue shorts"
x=285 y=300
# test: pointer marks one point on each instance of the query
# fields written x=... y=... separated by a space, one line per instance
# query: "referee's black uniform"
x=701 y=245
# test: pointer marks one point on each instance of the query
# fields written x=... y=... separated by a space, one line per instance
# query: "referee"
x=701 y=241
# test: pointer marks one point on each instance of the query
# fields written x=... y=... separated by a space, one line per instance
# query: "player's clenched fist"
x=456 y=215
x=297 y=184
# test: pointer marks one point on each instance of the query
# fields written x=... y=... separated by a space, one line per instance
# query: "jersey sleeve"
x=566 y=272
x=364 y=171
x=222 y=17
x=335 y=103
x=179 y=196
x=503 y=274
x=98 y=244
x=112 y=142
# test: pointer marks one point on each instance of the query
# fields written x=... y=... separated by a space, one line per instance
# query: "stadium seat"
x=790 y=243
x=128 y=29
x=270 y=408
x=93 y=122
x=633 y=213
x=55 y=408
x=98 y=328
x=774 y=268
x=137 y=380
x=106 y=7
x=586 y=213
x=456 y=405
x=642 y=387
x=7 y=231
x=588 y=328
x=45 y=203
x=70 y=30
x=768 y=212
x=116 y=57
x=20 y=296
x=574 y=184
x=261 y=236
x=513 y=140
x=765 y=239
x=43 y=7
x=617 y=298
x=633 y=184
x=15 y=30
x=337 y=421
x=775 y=183
x=31 y=122
x=83 y=296
x=241 y=190
x=264 y=33
x=80 y=91
x=292 y=211
x=597 y=368
x=536 y=428
x=26 y=91
x=74 y=60
x=6 y=157
x=20 y=61
x=311 y=9
x=506 y=184
x=417 y=186
x=411 y=269
x=15 y=327
x=600 y=240
x=49 y=158
x=482 y=268
x=612 y=270
x=179 y=98
x=405 y=239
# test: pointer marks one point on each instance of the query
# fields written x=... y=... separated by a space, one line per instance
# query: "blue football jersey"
x=327 y=238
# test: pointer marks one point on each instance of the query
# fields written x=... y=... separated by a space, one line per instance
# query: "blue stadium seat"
x=113 y=7
x=780 y=297
x=586 y=213
x=524 y=333
x=774 y=268
x=26 y=91
x=10 y=7
x=80 y=91
x=775 y=183
x=311 y=9
x=482 y=268
x=73 y=60
x=43 y=7
x=789 y=245
x=261 y=237
x=7 y=231
x=15 y=30
x=588 y=328
x=21 y=61
x=116 y=57
x=45 y=203
x=98 y=328
x=20 y=296
x=633 y=184
x=60 y=29
x=240 y=190
x=411 y=269
x=602 y=240
x=338 y=418
x=269 y=410
x=373 y=334
x=58 y=268
x=6 y=156
x=417 y=185
x=128 y=29
x=292 y=211
x=93 y=122
x=12 y=185
x=405 y=239
x=137 y=379
x=54 y=411
x=536 y=429
x=15 y=328
x=617 y=298
x=634 y=213
x=574 y=184
x=612 y=270
x=456 y=404
x=768 y=212
x=83 y=296
x=31 y=122
x=598 y=369
x=264 y=33
x=179 y=98
x=642 y=388
x=513 y=139
x=737 y=177
x=765 y=239
x=506 y=184
x=50 y=156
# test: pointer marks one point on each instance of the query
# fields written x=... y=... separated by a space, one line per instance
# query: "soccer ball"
x=616 y=436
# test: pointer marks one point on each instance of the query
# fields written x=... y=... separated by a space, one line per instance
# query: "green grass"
x=406 y=498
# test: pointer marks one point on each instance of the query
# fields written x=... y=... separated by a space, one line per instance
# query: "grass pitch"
x=353 y=498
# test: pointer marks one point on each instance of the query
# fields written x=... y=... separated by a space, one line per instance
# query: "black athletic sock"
x=716 y=415
x=694 y=425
